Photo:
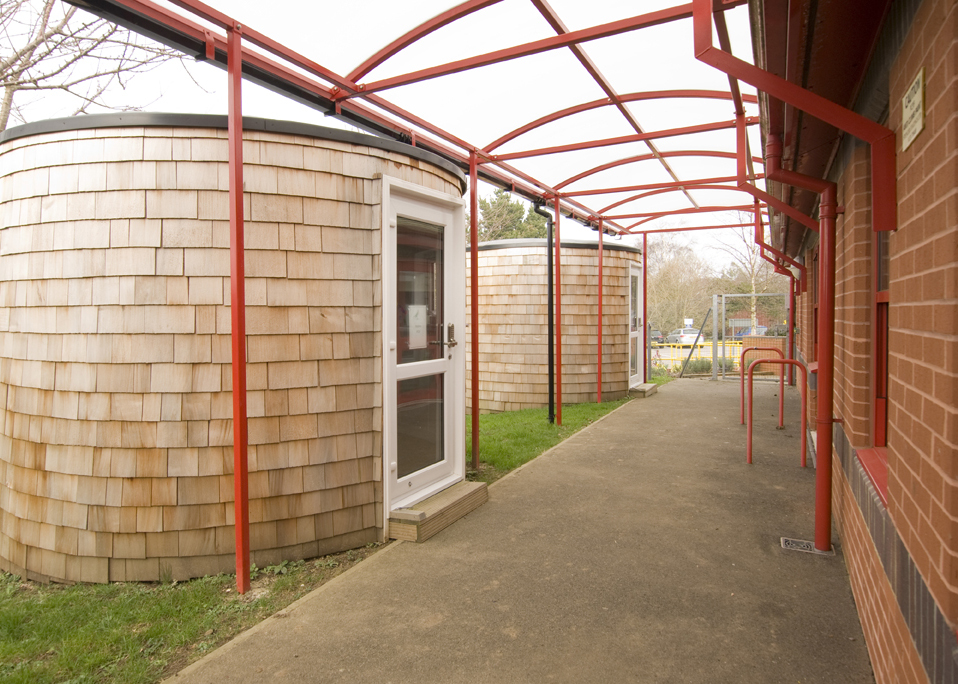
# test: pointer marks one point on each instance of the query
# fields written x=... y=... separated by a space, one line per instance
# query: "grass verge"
x=507 y=440
x=660 y=375
x=140 y=633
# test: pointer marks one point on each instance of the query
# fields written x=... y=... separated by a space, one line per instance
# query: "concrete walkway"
x=643 y=549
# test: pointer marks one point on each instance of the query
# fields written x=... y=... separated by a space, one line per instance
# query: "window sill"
x=875 y=463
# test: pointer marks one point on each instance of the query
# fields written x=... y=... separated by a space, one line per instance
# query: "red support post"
x=474 y=299
x=804 y=427
x=826 y=373
x=645 y=303
x=558 y=248
x=825 y=399
x=741 y=382
x=790 y=339
x=238 y=308
x=599 y=374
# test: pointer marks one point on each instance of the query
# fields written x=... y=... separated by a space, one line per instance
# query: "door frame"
x=639 y=377
x=454 y=303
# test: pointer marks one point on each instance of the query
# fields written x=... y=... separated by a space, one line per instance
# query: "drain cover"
x=805 y=546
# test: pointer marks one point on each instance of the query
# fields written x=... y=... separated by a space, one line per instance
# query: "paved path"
x=644 y=549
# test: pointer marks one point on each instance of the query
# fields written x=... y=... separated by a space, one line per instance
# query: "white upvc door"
x=636 y=328
x=423 y=271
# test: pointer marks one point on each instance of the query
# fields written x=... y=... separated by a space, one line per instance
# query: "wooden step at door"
x=431 y=516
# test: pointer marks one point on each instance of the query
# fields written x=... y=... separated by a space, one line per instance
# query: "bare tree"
x=678 y=283
x=47 y=47
x=748 y=267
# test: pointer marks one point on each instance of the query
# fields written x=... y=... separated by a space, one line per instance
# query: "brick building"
x=895 y=472
x=883 y=383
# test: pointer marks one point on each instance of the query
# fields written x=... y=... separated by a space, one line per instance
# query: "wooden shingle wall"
x=513 y=327
x=115 y=378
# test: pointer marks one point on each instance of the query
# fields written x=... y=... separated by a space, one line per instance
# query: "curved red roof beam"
x=684 y=229
x=693 y=210
x=609 y=102
x=652 y=216
x=663 y=190
x=692 y=182
x=622 y=139
x=612 y=28
x=421 y=31
x=649 y=157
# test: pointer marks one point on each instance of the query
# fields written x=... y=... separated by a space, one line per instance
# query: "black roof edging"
x=176 y=120
x=541 y=242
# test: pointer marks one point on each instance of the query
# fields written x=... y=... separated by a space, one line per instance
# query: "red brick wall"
x=923 y=367
x=923 y=340
x=890 y=645
x=853 y=300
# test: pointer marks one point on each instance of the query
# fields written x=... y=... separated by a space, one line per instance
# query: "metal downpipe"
x=474 y=301
x=551 y=316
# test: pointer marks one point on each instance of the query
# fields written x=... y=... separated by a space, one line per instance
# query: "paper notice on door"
x=418 y=315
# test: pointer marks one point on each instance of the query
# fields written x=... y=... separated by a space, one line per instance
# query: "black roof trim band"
x=219 y=121
x=541 y=242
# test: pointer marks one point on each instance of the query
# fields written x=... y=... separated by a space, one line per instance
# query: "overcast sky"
x=482 y=104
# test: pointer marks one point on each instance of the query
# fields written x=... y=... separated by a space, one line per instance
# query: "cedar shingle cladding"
x=513 y=327
x=115 y=378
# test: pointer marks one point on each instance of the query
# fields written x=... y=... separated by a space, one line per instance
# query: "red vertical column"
x=645 y=313
x=826 y=374
x=599 y=373
x=790 y=340
x=474 y=299
x=558 y=317
x=238 y=308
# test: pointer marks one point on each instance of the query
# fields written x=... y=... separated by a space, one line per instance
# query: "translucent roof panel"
x=543 y=92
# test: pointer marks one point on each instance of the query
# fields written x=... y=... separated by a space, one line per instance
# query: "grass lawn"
x=507 y=440
x=133 y=633
x=140 y=633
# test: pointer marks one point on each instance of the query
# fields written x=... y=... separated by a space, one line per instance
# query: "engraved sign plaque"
x=913 y=110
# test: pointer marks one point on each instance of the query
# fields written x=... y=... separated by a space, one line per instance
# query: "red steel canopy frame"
x=884 y=215
x=197 y=29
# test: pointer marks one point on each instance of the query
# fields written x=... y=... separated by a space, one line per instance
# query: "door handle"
x=451 y=332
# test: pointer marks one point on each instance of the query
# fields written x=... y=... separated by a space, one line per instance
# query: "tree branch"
x=52 y=49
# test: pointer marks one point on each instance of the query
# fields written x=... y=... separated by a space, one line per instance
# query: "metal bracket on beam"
x=210 y=44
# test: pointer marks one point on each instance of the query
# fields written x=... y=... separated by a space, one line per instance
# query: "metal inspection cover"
x=804 y=546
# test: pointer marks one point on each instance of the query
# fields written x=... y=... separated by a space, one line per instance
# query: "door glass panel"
x=419 y=324
x=634 y=309
x=635 y=356
x=419 y=423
